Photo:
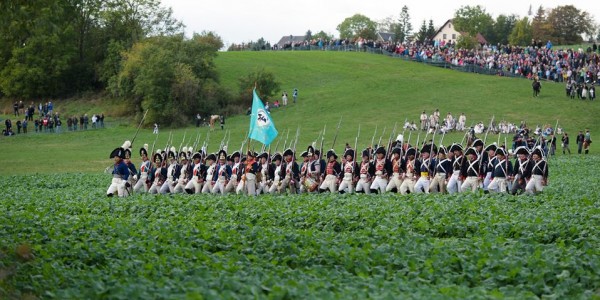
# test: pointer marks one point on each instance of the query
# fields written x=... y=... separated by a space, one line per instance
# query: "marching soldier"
x=502 y=170
x=425 y=169
x=488 y=161
x=455 y=182
x=539 y=172
x=304 y=172
x=120 y=174
x=263 y=173
x=222 y=174
x=366 y=171
x=173 y=172
x=350 y=171
x=313 y=171
x=276 y=173
x=442 y=169
x=249 y=177
x=145 y=169
x=521 y=170
x=207 y=187
x=397 y=163
x=332 y=171
x=194 y=186
x=132 y=171
x=236 y=172
x=160 y=173
x=470 y=171
x=185 y=172
x=383 y=169
x=409 y=170
x=291 y=172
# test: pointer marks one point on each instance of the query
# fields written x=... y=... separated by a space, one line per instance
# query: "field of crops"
x=61 y=238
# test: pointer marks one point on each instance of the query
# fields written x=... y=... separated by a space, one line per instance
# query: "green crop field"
x=62 y=238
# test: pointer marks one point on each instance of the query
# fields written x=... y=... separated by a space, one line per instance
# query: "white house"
x=447 y=33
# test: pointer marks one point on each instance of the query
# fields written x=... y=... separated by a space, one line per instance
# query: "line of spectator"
x=53 y=124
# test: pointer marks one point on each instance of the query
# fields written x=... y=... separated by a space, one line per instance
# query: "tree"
x=422 y=34
x=323 y=36
x=265 y=82
x=541 y=29
x=386 y=25
x=308 y=36
x=431 y=29
x=473 y=20
x=403 y=28
x=598 y=36
x=521 y=33
x=568 y=24
x=357 y=26
x=503 y=27
x=466 y=41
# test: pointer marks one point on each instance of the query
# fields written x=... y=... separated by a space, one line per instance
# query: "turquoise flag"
x=262 y=128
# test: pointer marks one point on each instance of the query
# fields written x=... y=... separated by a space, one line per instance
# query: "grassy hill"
x=366 y=89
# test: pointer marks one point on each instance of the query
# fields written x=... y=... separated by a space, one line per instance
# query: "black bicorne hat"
x=263 y=155
x=442 y=150
x=127 y=153
x=493 y=147
x=288 y=152
x=397 y=150
x=212 y=157
x=411 y=151
x=277 y=156
x=235 y=154
x=456 y=147
x=500 y=151
x=310 y=150
x=143 y=152
x=120 y=152
x=159 y=156
x=331 y=153
x=366 y=153
x=538 y=151
x=197 y=155
x=471 y=150
x=304 y=154
x=522 y=150
x=477 y=142
x=349 y=152
x=380 y=150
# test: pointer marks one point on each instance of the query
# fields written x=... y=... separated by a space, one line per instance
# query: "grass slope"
x=366 y=89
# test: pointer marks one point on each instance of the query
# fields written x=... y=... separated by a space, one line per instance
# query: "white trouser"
x=498 y=185
x=346 y=184
x=487 y=180
x=275 y=185
x=263 y=185
x=208 y=186
x=408 y=184
x=471 y=183
x=232 y=184
x=454 y=184
x=155 y=187
x=251 y=184
x=329 y=183
x=241 y=187
x=141 y=183
x=167 y=187
x=194 y=185
x=180 y=186
x=379 y=183
x=534 y=185
x=438 y=183
x=422 y=185
x=363 y=184
x=117 y=185
x=395 y=182
x=285 y=183
x=219 y=186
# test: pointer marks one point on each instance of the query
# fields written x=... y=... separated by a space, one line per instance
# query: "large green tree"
x=521 y=33
x=503 y=27
x=403 y=28
x=357 y=26
x=569 y=24
x=165 y=73
x=422 y=34
x=473 y=20
x=541 y=29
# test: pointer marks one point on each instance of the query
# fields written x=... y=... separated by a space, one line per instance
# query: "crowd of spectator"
x=47 y=120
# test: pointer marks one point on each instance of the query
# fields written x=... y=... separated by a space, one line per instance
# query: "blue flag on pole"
x=262 y=128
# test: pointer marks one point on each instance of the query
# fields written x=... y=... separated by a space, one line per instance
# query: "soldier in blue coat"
x=120 y=174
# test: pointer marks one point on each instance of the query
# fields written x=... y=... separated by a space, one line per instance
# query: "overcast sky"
x=239 y=21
